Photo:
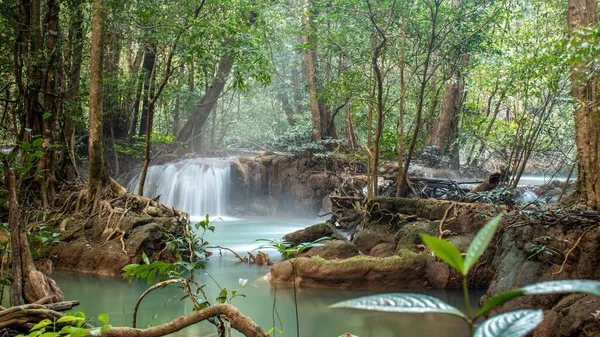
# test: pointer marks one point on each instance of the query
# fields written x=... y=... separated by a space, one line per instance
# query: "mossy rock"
x=384 y=249
x=360 y=272
x=313 y=233
x=335 y=249
x=366 y=239
x=410 y=234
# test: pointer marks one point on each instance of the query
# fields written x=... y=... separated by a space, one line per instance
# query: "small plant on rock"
x=514 y=324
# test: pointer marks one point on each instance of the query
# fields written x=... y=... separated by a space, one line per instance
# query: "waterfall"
x=197 y=186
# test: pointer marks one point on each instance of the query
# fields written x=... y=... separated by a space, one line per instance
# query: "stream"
x=116 y=297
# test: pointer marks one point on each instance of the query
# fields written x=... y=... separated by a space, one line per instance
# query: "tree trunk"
x=149 y=64
x=445 y=127
x=190 y=132
x=176 y=110
x=14 y=223
x=586 y=92
x=28 y=283
x=310 y=60
x=73 y=106
x=349 y=126
x=99 y=177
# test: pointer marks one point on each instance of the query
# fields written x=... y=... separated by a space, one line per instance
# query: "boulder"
x=461 y=242
x=360 y=272
x=384 y=249
x=366 y=239
x=409 y=235
x=313 y=233
x=335 y=249
x=147 y=238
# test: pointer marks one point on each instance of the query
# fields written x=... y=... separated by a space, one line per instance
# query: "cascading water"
x=198 y=186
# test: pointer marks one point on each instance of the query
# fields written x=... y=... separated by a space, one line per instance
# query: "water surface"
x=117 y=297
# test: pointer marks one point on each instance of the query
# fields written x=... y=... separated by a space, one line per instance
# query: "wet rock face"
x=289 y=184
x=96 y=249
x=535 y=253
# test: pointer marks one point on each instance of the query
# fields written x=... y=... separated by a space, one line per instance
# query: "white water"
x=197 y=186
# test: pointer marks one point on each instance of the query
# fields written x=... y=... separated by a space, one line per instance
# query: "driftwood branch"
x=242 y=259
x=238 y=321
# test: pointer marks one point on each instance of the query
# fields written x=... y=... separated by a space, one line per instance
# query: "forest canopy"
x=479 y=84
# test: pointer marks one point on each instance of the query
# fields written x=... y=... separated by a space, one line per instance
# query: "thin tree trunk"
x=403 y=177
x=149 y=64
x=177 y=112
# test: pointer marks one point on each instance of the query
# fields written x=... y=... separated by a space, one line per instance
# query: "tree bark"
x=190 y=131
x=310 y=60
x=586 y=92
x=14 y=223
x=445 y=128
x=148 y=66
x=99 y=177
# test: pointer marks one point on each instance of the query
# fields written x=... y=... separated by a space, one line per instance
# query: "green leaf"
x=46 y=115
x=50 y=334
x=407 y=303
x=550 y=287
x=103 y=318
x=480 y=242
x=79 y=332
x=498 y=300
x=445 y=251
x=41 y=324
x=69 y=318
x=145 y=258
x=510 y=324
x=564 y=286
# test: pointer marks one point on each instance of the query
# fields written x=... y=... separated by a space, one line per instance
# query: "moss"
x=362 y=259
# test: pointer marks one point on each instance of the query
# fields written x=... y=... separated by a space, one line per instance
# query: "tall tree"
x=99 y=175
x=585 y=88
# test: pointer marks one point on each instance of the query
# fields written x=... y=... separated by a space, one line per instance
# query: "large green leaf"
x=480 y=242
x=550 y=287
x=407 y=303
x=563 y=286
x=510 y=324
x=445 y=251
x=498 y=300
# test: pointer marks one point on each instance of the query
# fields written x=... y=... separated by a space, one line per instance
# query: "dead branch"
x=242 y=259
x=238 y=321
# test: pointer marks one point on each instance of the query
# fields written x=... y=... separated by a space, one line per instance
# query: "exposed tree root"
x=562 y=266
x=441 y=230
x=260 y=258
